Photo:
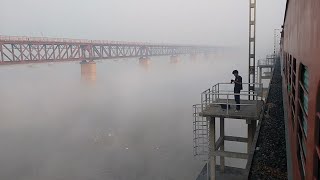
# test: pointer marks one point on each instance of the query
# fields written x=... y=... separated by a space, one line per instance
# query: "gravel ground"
x=269 y=160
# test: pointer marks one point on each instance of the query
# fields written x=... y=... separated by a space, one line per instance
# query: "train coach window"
x=303 y=115
x=303 y=93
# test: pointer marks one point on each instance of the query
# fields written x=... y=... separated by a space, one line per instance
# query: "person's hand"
x=232 y=81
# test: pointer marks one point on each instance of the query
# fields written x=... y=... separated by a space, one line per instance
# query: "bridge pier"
x=193 y=57
x=212 y=147
x=174 y=59
x=88 y=71
x=145 y=62
x=206 y=56
x=210 y=55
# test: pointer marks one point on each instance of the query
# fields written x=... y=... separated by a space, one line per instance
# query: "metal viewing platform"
x=218 y=102
x=265 y=67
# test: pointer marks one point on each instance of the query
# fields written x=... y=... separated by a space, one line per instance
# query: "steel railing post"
x=256 y=105
x=208 y=168
x=206 y=99
x=215 y=90
x=227 y=104
x=202 y=101
x=218 y=90
x=261 y=87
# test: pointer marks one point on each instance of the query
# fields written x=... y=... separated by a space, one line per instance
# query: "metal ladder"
x=200 y=134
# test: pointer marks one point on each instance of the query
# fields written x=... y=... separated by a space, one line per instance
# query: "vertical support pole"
x=250 y=138
x=82 y=52
x=252 y=46
x=91 y=54
x=117 y=51
x=227 y=104
x=54 y=48
x=110 y=51
x=275 y=42
x=21 y=52
x=262 y=93
x=222 y=163
x=252 y=125
x=30 y=51
x=101 y=51
x=202 y=104
x=212 y=143
x=13 y=56
x=215 y=91
x=218 y=90
x=45 y=52
x=1 y=51
x=38 y=52
x=260 y=75
x=67 y=50
x=71 y=52
x=59 y=51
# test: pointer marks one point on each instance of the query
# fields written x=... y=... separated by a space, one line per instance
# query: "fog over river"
x=135 y=123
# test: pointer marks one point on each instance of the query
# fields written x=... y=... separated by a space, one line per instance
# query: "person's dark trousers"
x=237 y=98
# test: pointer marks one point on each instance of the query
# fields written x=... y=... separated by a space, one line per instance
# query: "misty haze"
x=134 y=121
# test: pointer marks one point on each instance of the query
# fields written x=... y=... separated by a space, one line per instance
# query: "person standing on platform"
x=237 y=88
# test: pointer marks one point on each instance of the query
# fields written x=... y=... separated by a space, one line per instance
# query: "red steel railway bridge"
x=22 y=50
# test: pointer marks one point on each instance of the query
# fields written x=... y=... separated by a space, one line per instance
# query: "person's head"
x=235 y=73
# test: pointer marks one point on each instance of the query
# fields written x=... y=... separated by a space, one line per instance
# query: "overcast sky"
x=214 y=22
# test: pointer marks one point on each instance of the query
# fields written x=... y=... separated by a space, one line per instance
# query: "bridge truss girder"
x=14 y=52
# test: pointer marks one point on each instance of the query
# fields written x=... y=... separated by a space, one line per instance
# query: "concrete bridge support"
x=206 y=56
x=88 y=71
x=174 y=59
x=216 y=149
x=193 y=57
x=145 y=62
x=222 y=134
x=212 y=147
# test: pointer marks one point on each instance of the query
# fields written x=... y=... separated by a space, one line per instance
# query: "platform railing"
x=221 y=92
x=268 y=61
x=229 y=88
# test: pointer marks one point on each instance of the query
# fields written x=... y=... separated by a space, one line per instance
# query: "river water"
x=134 y=123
